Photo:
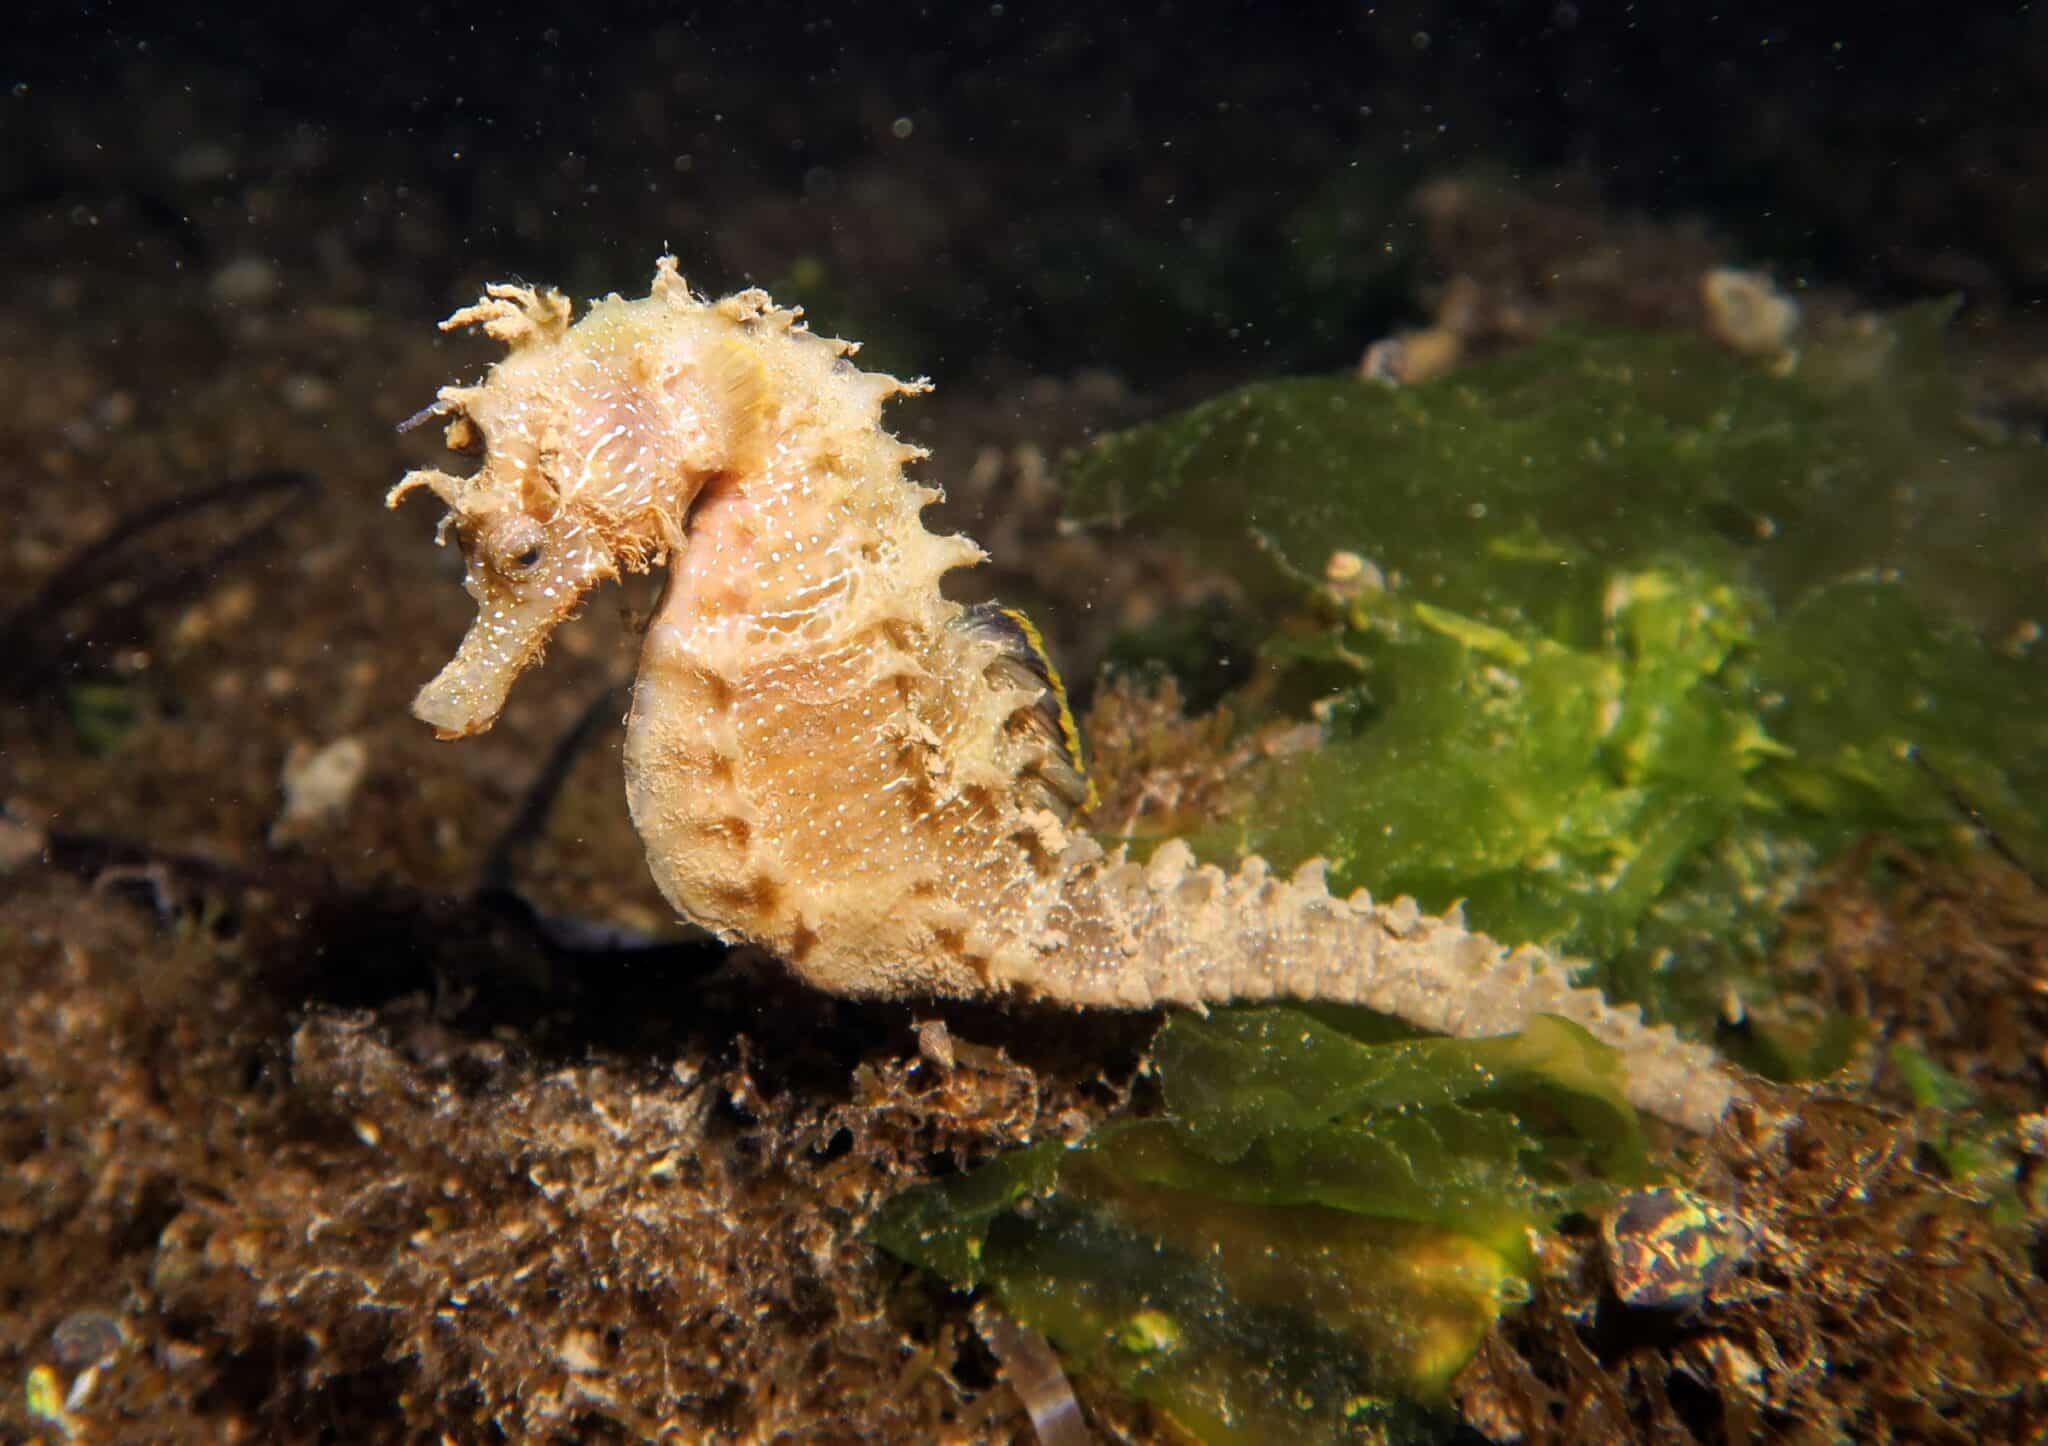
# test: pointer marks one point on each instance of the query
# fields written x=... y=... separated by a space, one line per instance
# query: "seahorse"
x=827 y=757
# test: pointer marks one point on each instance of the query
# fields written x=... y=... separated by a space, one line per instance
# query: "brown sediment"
x=1876 y=1302
x=1948 y=956
x=1880 y=1299
x=390 y=1221
x=1165 y=771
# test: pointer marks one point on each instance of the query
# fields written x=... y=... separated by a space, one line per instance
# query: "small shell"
x=1669 y=1249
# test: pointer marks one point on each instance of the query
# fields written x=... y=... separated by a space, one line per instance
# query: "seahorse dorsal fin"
x=736 y=375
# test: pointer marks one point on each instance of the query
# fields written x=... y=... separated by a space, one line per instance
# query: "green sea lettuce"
x=1633 y=634
x=1642 y=630
x=1309 y=1241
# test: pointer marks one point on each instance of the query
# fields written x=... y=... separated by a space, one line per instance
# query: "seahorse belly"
x=813 y=754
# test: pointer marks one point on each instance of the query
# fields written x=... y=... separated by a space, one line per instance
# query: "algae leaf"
x=1894 y=717
x=1647 y=631
x=1659 y=627
x=1510 y=490
x=1310 y=1241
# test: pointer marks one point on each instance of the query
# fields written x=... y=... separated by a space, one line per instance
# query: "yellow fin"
x=739 y=379
x=1024 y=650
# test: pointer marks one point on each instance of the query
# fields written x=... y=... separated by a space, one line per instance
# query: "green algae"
x=1894 y=717
x=1978 y=1150
x=1507 y=491
x=1310 y=1240
x=1644 y=629
x=1635 y=635
x=102 y=714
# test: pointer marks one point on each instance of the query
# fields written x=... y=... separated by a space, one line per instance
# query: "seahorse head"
x=594 y=440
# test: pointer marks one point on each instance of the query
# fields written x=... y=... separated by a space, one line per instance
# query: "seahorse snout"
x=526 y=577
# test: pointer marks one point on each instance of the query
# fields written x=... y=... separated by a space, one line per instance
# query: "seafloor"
x=401 y=1111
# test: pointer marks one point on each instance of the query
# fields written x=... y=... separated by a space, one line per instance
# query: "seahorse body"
x=827 y=757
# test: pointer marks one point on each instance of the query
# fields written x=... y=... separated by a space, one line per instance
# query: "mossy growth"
x=1311 y=1239
x=1615 y=637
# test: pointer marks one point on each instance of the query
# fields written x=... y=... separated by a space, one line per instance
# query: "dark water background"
x=1134 y=186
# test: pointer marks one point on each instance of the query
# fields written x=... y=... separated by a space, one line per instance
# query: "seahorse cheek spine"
x=828 y=758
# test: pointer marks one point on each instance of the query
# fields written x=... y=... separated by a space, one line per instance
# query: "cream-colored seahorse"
x=827 y=757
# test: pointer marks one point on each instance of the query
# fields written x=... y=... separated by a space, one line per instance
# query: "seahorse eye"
x=515 y=545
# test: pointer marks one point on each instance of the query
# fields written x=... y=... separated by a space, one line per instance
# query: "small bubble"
x=1420 y=40
x=20 y=89
x=901 y=127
